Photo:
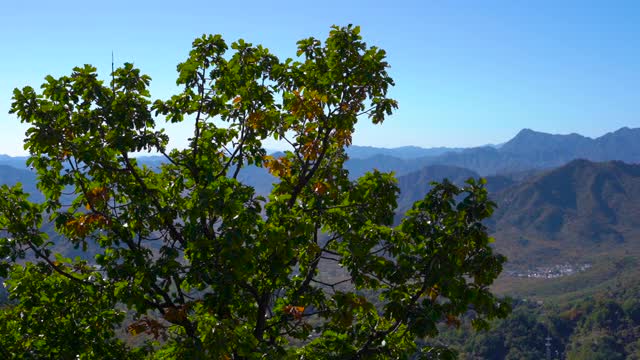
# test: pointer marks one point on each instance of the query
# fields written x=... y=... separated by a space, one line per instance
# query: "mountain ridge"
x=581 y=208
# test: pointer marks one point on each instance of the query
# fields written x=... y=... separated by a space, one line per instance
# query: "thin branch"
x=56 y=268
x=333 y=285
x=330 y=258
x=306 y=178
x=172 y=229
x=312 y=267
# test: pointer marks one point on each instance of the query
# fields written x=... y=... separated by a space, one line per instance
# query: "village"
x=549 y=272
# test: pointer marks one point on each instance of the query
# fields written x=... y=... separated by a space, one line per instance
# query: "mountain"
x=580 y=209
x=404 y=152
x=544 y=145
x=498 y=183
x=528 y=150
x=259 y=178
x=484 y=160
x=536 y=150
x=385 y=163
x=10 y=176
x=553 y=149
x=415 y=185
x=19 y=162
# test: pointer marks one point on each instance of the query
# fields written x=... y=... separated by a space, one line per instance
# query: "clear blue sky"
x=467 y=73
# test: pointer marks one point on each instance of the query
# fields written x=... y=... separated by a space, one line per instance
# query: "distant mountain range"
x=528 y=150
x=10 y=176
x=558 y=196
x=14 y=161
x=404 y=152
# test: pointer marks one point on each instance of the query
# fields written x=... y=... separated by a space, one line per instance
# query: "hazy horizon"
x=284 y=147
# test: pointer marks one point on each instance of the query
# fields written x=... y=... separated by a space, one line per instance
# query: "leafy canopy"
x=207 y=266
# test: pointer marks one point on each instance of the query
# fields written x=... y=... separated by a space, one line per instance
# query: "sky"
x=467 y=73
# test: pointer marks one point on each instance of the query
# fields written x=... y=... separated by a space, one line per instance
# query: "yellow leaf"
x=310 y=150
x=433 y=292
x=137 y=327
x=280 y=167
x=343 y=137
x=254 y=119
x=97 y=195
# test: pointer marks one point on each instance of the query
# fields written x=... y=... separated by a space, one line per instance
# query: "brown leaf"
x=320 y=188
x=296 y=311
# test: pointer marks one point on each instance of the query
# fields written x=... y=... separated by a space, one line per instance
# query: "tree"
x=202 y=259
x=56 y=319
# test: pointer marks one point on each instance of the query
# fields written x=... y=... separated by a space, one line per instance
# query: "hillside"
x=415 y=185
x=385 y=163
x=580 y=209
x=590 y=315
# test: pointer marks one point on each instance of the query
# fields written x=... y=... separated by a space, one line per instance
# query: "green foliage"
x=594 y=322
x=211 y=269
x=52 y=317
